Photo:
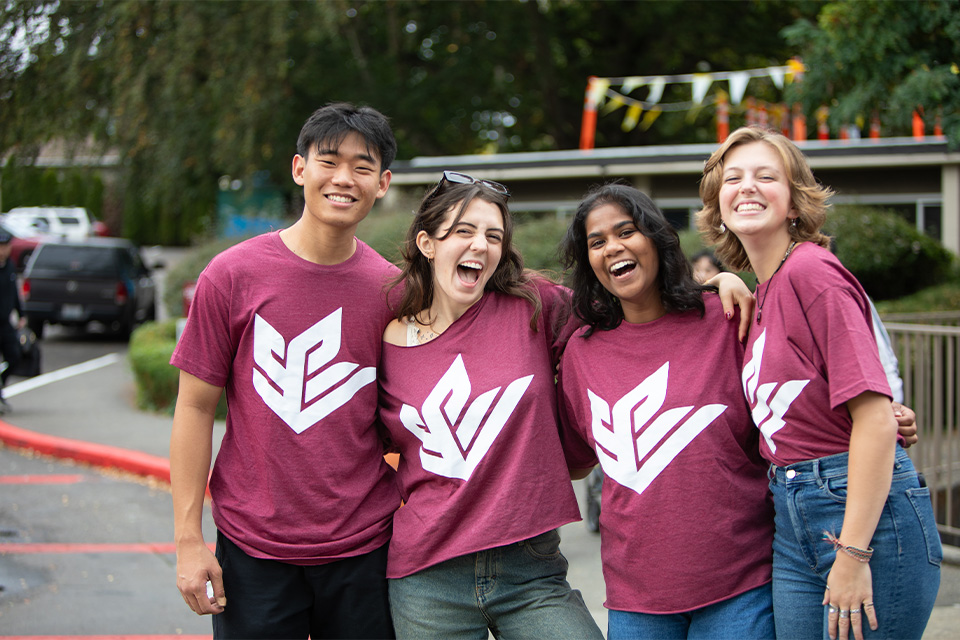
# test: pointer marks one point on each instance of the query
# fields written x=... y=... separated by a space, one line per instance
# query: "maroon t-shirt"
x=686 y=520
x=813 y=350
x=300 y=475
x=473 y=413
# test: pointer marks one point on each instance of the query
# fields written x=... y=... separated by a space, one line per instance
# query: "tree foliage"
x=188 y=92
x=883 y=56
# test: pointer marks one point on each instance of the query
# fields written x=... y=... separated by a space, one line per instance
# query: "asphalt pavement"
x=86 y=532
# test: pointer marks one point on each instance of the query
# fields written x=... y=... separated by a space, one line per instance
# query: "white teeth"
x=621 y=265
x=343 y=199
x=750 y=206
x=471 y=265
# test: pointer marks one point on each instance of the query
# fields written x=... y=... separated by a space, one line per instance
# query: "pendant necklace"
x=770 y=281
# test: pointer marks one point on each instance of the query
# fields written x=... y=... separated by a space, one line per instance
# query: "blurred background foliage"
x=889 y=257
x=186 y=93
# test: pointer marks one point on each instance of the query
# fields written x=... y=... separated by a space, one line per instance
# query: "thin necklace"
x=770 y=281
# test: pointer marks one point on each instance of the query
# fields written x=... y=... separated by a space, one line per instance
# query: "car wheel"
x=126 y=328
x=36 y=326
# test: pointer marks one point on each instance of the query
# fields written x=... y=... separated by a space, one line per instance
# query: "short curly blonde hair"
x=809 y=197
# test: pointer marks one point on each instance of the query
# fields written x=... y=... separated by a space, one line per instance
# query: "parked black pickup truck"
x=99 y=279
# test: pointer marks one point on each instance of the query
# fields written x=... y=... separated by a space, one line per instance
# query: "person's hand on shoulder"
x=734 y=293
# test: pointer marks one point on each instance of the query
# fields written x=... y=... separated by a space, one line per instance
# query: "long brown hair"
x=809 y=197
x=416 y=272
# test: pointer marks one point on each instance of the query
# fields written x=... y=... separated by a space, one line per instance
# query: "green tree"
x=187 y=92
x=882 y=56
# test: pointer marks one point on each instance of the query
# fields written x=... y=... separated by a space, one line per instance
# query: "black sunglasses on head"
x=456 y=177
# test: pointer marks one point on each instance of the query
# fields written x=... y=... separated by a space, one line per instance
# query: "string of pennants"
x=612 y=94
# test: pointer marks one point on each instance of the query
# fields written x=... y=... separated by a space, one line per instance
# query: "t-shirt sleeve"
x=576 y=448
x=847 y=345
x=559 y=321
x=205 y=348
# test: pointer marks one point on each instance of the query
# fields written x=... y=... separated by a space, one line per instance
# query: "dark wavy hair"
x=593 y=304
x=416 y=272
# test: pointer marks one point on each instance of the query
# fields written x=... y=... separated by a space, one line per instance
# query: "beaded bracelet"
x=861 y=555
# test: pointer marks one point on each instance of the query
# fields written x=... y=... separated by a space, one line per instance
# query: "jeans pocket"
x=545 y=546
x=836 y=488
x=920 y=499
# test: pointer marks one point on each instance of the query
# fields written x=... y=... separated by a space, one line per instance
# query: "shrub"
x=888 y=256
x=538 y=239
x=384 y=229
x=151 y=346
x=188 y=270
x=157 y=381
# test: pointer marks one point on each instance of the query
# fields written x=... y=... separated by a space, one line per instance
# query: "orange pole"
x=799 y=123
x=823 y=129
x=723 y=118
x=783 y=116
x=588 y=127
x=918 y=132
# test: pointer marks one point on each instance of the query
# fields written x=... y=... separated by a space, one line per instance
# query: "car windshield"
x=79 y=261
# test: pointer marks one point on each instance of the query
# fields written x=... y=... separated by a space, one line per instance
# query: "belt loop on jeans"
x=816 y=473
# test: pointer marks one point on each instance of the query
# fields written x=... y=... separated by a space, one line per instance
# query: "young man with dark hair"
x=289 y=324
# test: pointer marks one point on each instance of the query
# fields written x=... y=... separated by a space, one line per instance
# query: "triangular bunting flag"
x=629 y=84
x=738 y=86
x=656 y=90
x=633 y=115
x=701 y=84
x=776 y=74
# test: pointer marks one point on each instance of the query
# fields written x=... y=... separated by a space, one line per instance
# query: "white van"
x=67 y=223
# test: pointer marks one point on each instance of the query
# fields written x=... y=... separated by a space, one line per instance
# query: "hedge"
x=887 y=254
x=151 y=346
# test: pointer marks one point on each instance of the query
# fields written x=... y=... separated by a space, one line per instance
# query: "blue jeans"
x=748 y=615
x=516 y=591
x=809 y=498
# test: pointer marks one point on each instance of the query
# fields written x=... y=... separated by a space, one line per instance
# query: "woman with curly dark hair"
x=649 y=389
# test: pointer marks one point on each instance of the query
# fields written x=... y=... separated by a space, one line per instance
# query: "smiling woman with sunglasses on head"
x=468 y=397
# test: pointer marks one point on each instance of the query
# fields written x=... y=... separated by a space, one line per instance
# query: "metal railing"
x=929 y=357
x=950 y=318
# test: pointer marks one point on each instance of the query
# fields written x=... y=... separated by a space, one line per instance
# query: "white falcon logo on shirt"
x=767 y=412
x=628 y=434
x=294 y=379
x=456 y=436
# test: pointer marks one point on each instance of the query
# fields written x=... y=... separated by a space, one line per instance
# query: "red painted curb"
x=100 y=455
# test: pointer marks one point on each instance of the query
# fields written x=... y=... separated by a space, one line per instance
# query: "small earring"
x=793 y=223
x=723 y=228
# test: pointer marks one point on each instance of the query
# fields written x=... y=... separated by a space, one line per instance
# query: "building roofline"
x=668 y=159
